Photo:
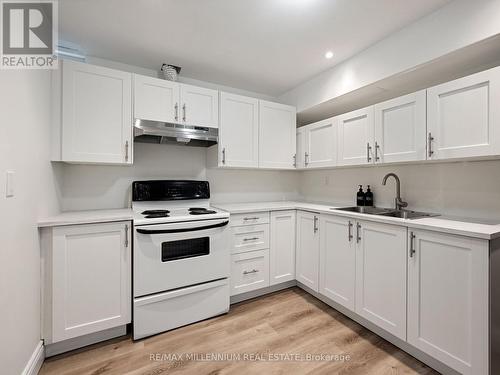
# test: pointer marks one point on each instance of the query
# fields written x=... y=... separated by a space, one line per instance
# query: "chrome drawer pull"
x=250 y=272
x=250 y=218
x=251 y=239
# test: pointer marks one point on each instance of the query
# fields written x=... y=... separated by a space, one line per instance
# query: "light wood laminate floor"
x=286 y=323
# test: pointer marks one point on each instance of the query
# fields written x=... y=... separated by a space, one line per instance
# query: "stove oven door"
x=175 y=255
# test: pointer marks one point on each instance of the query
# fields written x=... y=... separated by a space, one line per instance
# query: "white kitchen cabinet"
x=92 y=114
x=321 y=144
x=307 y=252
x=355 y=137
x=199 y=106
x=239 y=131
x=337 y=260
x=249 y=271
x=91 y=279
x=448 y=299
x=156 y=99
x=277 y=135
x=282 y=246
x=400 y=129
x=381 y=275
x=301 y=147
x=463 y=117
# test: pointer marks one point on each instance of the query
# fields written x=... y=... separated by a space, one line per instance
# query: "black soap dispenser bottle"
x=360 y=196
x=368 y=197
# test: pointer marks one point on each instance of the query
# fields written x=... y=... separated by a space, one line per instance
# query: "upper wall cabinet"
x=277 y=132
x=92 y=114
x=166 y=101
x=239 y=131
x=156 y=99
x=355 y=143
x=463 y=117
x=301 y=147
x=320 y=144
x=400 y=126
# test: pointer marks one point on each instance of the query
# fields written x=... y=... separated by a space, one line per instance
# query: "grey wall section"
x=465 y=189
x=24 y=148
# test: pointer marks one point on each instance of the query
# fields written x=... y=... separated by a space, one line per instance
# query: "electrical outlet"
x=327 y=180
x=9 y=191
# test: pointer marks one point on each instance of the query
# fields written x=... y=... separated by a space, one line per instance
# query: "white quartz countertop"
x=459 y=226
x=86 y=217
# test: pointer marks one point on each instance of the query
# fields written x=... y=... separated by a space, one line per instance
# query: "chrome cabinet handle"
x=251 y=239
x=126 y=151
x=306 y=158
x=377 y=147
x=250 y=218
x=184 y=112
x=315 y=224
x=368 y=150
x=126 y=235
x=358 y=236
x=295 y=160
x=250 y=272
x=176 y=107
x=412 y=244
x=430 y=138
x=224 y=155
x=349 y=231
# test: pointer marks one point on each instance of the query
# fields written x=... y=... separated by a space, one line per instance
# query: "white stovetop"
x=460 y=226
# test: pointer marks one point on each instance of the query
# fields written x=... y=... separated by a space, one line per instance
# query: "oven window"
x=194 y=247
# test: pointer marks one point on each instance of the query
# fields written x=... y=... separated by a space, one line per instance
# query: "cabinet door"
x=400 y=129
x=96 y=114
x=321 y=144
x=200 y=106
x=282 y=247
x=381 y=275
x=307 y=252
x=91 y=271
x=239 y=131
x=463 y=117
x=301 y=147
x=337 y=260
x=448 y=299
x=277 y=135
x=156 y=99
x=355 y=143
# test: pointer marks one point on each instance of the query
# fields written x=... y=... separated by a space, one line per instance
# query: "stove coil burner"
x=200 y=211
x=151 y=214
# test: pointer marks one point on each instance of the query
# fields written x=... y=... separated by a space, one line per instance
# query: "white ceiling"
x=267 y=46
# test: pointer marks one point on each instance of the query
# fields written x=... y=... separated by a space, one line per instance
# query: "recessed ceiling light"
x=329 y=54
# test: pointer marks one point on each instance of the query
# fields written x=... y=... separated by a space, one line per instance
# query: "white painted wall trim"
x=36 y=361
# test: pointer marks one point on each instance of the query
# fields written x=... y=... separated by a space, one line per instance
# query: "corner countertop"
x=86 y=217
x=459 y=226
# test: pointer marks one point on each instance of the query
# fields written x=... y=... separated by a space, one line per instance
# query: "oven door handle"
x=181 y=230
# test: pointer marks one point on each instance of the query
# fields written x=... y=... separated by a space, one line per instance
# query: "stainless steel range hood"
x=166 y=133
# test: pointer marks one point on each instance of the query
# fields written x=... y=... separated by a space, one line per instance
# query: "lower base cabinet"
x=448 y=299
x=282 y=247
x=307 y=252
x=381 y=275
x=87 y=285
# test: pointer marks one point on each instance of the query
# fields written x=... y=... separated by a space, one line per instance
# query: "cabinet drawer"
x=250 y=218
x=249 y=271
x=250 y=237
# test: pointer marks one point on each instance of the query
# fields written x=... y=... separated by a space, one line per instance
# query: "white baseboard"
x=36 y=361
x=260 y=292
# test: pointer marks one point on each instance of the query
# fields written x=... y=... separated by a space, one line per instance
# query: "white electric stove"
x=181 y=255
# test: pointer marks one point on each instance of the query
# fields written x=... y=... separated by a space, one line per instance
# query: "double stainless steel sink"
x=402 y=214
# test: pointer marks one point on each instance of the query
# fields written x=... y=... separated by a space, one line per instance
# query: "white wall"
x=454 y=26
x=85 y=187
x=465 y=189
x=24 y=148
